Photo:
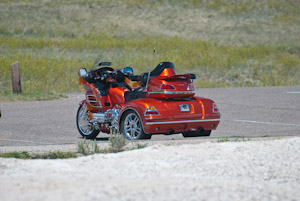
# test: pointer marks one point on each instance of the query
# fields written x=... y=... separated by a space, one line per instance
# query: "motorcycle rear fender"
x=82 y=102
x=138 y=106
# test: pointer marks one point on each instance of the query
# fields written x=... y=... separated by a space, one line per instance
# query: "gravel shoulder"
x=245 y=170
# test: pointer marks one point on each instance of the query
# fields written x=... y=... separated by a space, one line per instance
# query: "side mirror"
x=128 y=71
x=82 y=72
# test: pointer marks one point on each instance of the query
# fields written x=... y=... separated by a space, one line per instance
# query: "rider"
x=128 y=72
x=136 y=91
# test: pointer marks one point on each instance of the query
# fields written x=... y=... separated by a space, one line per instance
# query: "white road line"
x=27 y=141
x=270 y=123
x=293 y=92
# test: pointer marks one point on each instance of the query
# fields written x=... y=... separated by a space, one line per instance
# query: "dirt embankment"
x=251 y=170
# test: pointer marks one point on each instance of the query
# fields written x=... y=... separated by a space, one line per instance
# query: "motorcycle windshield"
x=100 y=62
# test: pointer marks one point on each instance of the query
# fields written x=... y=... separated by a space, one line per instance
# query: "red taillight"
x=191 y=87
x=167 y=87
x=151 y=111
x=215 y=108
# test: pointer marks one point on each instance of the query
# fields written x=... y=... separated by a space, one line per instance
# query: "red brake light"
x=151 y=111
x=148 y=113
x=167 y=87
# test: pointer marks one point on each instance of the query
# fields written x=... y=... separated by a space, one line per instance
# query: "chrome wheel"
x=132 y=126
x=83 y=125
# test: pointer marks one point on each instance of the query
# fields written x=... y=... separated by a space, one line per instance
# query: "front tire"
x=85 y=129
x=132 y=128
x=200 y=133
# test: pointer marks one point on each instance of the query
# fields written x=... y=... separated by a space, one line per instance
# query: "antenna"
x=148 y=78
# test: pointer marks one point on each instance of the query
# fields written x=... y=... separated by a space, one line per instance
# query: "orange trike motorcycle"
x=158 y=102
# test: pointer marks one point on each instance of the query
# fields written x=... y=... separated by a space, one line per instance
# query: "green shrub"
x=87 y=147
x=140 y=146
x=117 y=142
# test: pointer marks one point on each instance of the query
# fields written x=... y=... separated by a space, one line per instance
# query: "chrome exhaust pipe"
x=110 y=116
x=100 y=117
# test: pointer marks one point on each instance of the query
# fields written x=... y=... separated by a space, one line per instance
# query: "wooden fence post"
x=15 y=77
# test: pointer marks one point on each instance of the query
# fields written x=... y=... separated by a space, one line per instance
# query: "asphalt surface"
x=245 y=112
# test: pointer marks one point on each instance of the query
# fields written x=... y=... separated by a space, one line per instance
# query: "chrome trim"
x=99 y=117
x=93 y=101
x=171 y=92
x=82 y=72
x=185 y=121
x=99 y=95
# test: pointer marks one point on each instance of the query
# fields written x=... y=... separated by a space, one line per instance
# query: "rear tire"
x=200 y=133
x=85 y=129
x=131 y=126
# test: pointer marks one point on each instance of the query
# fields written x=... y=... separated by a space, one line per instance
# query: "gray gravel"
x=249 y=170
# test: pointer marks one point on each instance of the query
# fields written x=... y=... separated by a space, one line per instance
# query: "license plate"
x=184 y=108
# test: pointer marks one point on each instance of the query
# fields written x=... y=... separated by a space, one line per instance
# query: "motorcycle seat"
x=160 y=68
x=156 y=71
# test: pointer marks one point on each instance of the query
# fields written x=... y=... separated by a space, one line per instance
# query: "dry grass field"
x=226 y=43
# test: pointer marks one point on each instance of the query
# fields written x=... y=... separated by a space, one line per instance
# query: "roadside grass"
x=225 y=43
x=215 y=65
x=88 y=147
x=140 y=146
x=49 y=155
x=233 y=139
x=117 y=144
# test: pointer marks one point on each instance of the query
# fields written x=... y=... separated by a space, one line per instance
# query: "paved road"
x=263 y=111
